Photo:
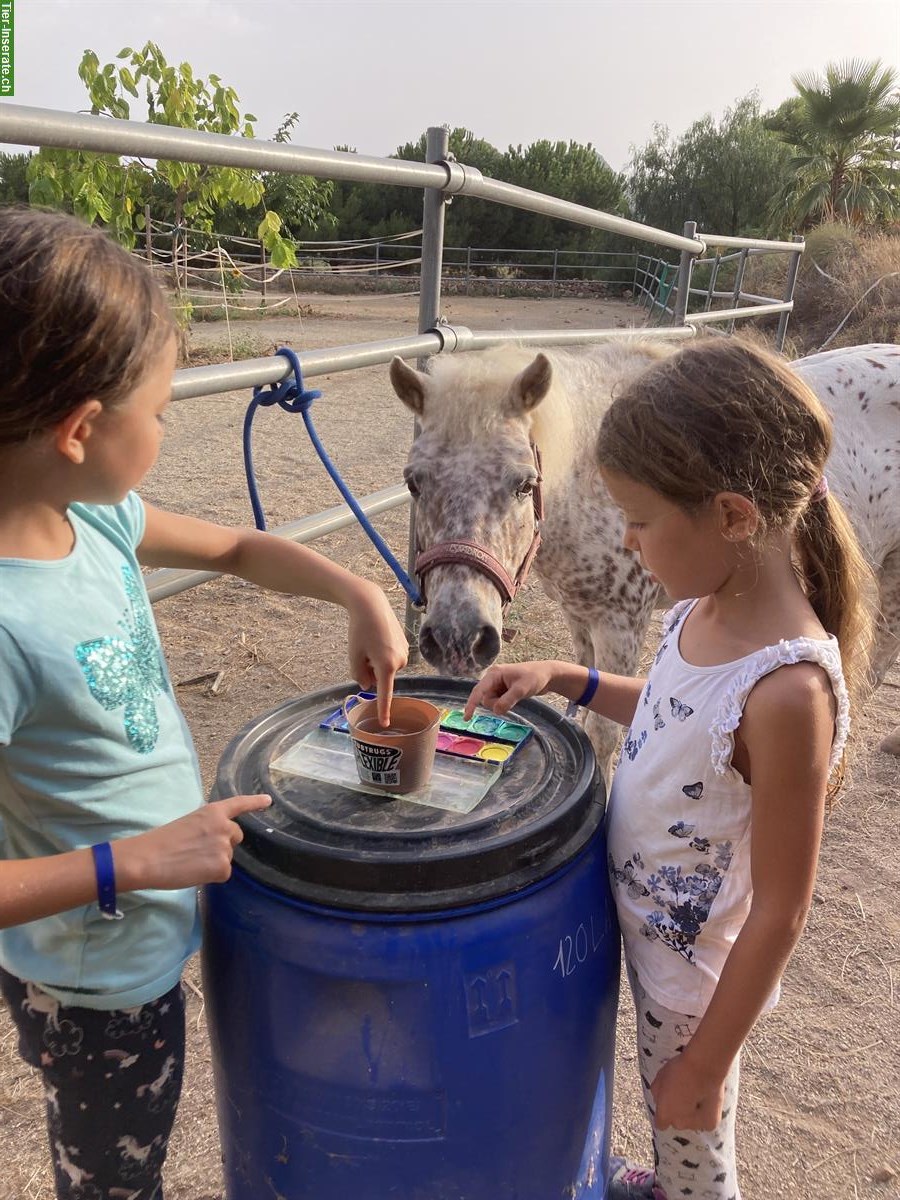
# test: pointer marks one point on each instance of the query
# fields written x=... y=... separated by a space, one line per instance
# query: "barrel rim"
x=435 y=876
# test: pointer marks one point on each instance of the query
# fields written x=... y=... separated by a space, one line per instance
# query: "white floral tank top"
x=679 y=814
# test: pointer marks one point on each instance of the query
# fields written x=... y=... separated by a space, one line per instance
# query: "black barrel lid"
x=331 y=845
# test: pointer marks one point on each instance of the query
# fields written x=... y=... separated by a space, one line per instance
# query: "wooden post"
x=262 y=271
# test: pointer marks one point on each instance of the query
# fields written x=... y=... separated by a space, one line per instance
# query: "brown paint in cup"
x=399 y=757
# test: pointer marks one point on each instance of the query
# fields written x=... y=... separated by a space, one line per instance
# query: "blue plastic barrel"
x=410 y=1003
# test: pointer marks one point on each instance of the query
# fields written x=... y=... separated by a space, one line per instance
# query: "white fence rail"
x=440 y=177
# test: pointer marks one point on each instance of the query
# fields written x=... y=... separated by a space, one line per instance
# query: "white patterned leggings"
x=690 y=1164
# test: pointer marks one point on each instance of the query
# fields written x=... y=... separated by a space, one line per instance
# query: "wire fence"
x=228 y=271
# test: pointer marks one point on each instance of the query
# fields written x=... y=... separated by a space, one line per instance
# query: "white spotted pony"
x=492 y=424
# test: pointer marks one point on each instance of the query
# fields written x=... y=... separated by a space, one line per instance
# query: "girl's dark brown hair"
x=79 y=319
x=725 y=416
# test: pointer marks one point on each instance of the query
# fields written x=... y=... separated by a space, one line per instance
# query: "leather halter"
x=463 y=552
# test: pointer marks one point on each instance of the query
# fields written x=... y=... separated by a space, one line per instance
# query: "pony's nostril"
x=429 y=647
x=458 y=648
x=486 y=646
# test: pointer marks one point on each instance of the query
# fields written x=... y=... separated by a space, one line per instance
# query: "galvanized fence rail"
x=441 y=178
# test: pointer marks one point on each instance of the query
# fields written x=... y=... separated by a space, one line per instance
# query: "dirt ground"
x=819 y=1110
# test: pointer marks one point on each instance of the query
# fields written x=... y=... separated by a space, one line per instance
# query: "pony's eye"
x=524 y=489
x=412 y=486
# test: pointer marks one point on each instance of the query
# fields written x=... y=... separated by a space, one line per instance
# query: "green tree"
x=572 y=171
x=365 y=210
x=13 y=180
x=566 y=169
x=843 y=129
x=107 y=188
x=302 y=202
x=721 y=174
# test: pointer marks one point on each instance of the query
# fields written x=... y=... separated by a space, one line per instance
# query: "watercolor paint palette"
x=485 y=738
x=457 y=785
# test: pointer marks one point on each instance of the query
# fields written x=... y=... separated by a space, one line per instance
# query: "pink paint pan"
x=466 y=745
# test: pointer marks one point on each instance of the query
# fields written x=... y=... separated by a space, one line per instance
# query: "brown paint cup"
x=399 y=758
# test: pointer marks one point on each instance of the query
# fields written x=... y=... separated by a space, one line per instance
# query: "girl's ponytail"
x=840 y=586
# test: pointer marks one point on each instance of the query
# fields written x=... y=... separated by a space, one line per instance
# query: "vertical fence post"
x=684 y=276
x=738 y=284
x=468 y=267
x=646 y=286
x=663 y=291
x=262 y=272
x=653 y=273
x=793 y=268
x=555 y=267
x=437 y=147
x=377 y=255
x=713 y=274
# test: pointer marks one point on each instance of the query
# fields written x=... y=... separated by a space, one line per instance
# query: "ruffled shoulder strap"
x=731 y=707
x=675 y=615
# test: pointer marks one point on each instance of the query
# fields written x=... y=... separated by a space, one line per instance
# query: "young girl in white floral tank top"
x=735 y=740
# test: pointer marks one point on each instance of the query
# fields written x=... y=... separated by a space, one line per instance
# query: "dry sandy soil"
x=820 y=1113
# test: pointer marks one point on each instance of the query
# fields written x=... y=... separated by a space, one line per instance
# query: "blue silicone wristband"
x=590 y=691
x=105 y=871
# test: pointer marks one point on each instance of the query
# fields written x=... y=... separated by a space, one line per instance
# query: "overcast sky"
x=375 y=75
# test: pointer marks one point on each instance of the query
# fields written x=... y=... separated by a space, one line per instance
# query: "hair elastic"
x=820 y=491
x=105 y=871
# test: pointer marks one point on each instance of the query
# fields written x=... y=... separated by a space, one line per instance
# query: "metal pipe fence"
x=652 y=278
x=22 y=125
x=169 y=581
x=731 y=314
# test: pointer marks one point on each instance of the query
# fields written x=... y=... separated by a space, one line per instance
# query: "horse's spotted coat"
x=472 y=457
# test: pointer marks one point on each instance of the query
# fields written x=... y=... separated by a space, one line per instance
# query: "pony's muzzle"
x=459 y=648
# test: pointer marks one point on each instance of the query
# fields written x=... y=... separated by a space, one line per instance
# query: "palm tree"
x=843 y=130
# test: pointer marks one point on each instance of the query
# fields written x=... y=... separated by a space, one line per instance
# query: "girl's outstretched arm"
x=785 y=739
x=377 y=645
x=503 y=686
x=193 y=850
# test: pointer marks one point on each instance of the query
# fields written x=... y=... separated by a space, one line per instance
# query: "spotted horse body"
x=473 y=469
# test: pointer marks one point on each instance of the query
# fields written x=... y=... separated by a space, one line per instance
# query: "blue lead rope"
x=293 y=397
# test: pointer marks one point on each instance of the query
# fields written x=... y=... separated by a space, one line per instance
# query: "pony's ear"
x=529 y=387
x=409 y=385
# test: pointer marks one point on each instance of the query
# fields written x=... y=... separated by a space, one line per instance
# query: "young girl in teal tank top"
x=104 y=835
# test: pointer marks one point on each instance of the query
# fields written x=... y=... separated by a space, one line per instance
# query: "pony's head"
x=473 y=471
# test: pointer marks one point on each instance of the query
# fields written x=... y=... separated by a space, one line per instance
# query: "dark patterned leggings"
x=112 y=1081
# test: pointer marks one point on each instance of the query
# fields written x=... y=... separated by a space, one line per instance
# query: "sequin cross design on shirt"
x=127 y=670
